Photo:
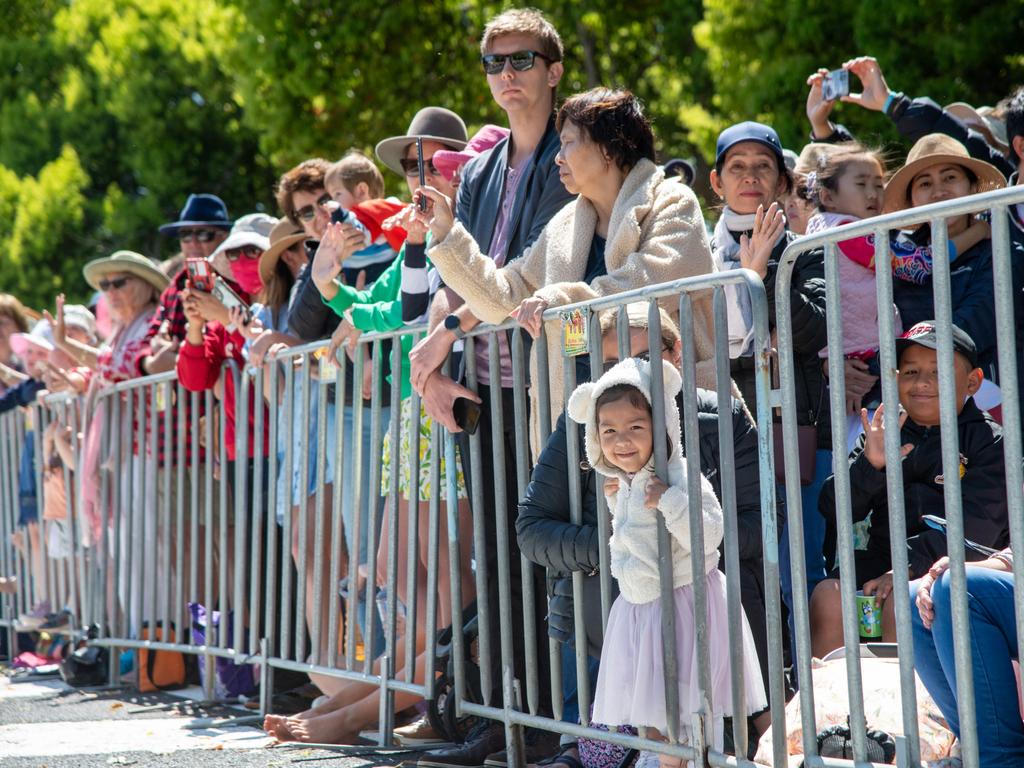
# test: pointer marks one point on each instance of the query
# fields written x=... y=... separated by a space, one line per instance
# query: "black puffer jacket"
x=982 y=485
x=548 y=538
x=810 y=335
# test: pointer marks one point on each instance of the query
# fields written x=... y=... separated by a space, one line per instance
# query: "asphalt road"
x=45 y=723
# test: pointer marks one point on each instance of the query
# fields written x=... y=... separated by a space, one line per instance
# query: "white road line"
x=162 y=736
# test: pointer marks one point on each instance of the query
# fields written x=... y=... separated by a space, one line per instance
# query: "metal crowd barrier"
x=997 y=203
x=167 y=484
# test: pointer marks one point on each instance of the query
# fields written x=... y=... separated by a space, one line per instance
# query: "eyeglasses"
x=412 y=167
x=249 y=251
x=308 y=212
x=113 y=285
x=521 y=61
x=199 y=235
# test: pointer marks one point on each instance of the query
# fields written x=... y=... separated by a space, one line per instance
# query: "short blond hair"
x=524 y=21
x=355 y=168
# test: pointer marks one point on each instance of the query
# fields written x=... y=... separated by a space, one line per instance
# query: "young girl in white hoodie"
x=620 y=435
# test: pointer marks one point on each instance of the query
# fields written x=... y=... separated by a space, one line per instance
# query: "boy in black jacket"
x=982 y=478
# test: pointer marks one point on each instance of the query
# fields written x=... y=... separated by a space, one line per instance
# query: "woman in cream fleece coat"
x=649 y=228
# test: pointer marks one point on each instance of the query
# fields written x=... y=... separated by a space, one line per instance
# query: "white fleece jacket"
x=634 y=541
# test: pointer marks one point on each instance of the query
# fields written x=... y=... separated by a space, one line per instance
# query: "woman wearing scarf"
x=750 y=174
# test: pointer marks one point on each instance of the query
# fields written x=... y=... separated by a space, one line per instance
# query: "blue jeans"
x=571 y=703
x=370 y=496
x=993 y=645
x=814 y=534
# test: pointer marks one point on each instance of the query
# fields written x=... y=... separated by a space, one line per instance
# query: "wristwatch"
x=452 y=323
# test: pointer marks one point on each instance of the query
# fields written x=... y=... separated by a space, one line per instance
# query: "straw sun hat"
x=937 y=149
x=128 y=262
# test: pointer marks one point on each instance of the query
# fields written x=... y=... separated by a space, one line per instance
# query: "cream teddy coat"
x=656 y=235
x=634 y=543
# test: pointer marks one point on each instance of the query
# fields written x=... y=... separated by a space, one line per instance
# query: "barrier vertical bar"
x=242 y=561
x=284 y=651
x=727 y=482
x=316 y=628
x=894 y=487
x=952 y=495
x=543 y=388
x=302 y=563
x=261 y=513
x=1009 y=383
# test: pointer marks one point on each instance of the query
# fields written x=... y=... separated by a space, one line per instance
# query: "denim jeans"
x=993 y=644
x=814 y=533
x=370 y=496
x=570 y=700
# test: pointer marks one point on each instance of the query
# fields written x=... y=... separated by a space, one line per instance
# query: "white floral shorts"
x=426 y=491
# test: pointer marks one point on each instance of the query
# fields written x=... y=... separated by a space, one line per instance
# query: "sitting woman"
x=993 y=632
x=629 y=227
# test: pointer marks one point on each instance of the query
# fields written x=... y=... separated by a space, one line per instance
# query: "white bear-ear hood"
x=637 y=373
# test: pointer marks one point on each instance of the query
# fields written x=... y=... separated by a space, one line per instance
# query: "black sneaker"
x=539 y=744
x=486 y=738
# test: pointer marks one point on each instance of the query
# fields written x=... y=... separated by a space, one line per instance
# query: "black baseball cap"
x=925 y=334
x=748 y=131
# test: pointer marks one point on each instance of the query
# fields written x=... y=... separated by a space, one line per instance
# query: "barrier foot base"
x=222 y=722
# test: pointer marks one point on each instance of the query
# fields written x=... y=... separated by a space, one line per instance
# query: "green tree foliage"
x=760 y=54
x=138 y=90
x=111 y=113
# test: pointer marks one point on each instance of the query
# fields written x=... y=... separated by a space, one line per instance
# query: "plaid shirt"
x=169 y=320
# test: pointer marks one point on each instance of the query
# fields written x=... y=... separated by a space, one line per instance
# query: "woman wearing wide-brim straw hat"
x=130 y=285
x=938 y=169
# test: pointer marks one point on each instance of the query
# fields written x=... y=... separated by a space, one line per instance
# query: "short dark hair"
x=614 y=120
x=1014 y=116
x=355 y=168
x=618 y=392
x=307 y=176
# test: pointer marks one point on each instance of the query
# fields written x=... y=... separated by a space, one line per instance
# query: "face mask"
x=247 y=274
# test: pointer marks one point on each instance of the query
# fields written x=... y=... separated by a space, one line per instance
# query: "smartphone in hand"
x=423 y=175
x=835 y=85
x=200 y=274
x=223 y=293
x=467 y=415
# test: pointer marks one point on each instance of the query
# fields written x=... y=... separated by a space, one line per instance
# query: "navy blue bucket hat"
x=200 y=210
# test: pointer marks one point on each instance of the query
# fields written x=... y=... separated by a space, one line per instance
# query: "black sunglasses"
x=249 y=251
x=307 y=212
x=412 y=167
x=521 y=61
x=200 y=235
x=112 y=285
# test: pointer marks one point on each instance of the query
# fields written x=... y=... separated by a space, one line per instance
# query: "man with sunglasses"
x=202 y=226
x=507 y=196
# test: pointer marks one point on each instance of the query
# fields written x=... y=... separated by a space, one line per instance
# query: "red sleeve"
x=372 y=214
x=199 y=366
x=860 y=250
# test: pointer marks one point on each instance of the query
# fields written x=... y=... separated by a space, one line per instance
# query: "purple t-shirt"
x=499 y=251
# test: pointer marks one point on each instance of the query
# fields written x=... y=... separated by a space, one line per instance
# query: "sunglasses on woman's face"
x=113 y=285
x=308 y=212
x=249 y=251
x=412 y=167
x=199 y=235
x=521 y=61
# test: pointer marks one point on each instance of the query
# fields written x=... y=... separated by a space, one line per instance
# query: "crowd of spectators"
x=566 y=204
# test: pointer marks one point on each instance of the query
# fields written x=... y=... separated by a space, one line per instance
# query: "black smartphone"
x=467 y=415
x=423 y=175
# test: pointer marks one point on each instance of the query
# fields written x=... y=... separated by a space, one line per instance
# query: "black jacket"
x=807 y=302
x=973 y=301
x=310 y=319
x=983 y=485
x=915 y=118
x=547 y=537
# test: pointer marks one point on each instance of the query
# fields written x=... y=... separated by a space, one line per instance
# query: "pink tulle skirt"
x=630 y=683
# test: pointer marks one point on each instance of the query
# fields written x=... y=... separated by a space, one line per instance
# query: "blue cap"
x=200 y=210
x=748 y=131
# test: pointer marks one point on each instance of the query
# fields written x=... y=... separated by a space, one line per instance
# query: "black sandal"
x=561 y=758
